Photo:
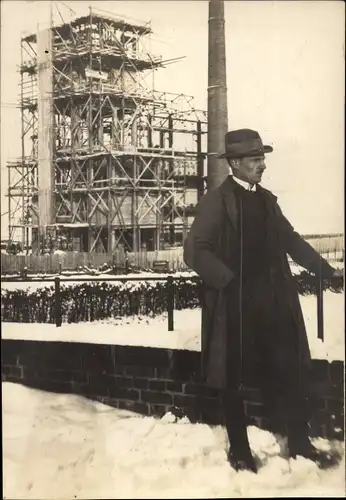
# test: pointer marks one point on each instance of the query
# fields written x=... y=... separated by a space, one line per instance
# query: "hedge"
x=100 y=300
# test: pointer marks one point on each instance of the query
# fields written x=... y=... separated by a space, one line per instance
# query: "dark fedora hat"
x=244 y=143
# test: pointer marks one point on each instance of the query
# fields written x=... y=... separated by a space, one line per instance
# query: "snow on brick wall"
x=152 y=381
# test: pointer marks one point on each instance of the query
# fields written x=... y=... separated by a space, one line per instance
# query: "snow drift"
x=64 y=446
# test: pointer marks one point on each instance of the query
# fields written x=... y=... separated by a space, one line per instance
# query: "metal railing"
x=170 y=294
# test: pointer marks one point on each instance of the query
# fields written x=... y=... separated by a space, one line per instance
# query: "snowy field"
x=153 y=332
x=68 y=447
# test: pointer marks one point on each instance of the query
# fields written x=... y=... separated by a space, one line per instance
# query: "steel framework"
x=106 y=159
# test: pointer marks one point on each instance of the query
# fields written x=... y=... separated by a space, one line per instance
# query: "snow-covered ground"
x=153 y=332
x=68 y=447
x=65 y=447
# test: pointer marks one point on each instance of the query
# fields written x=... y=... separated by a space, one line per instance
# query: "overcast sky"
x=285 y=70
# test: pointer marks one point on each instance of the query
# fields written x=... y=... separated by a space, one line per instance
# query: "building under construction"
x=107 y=160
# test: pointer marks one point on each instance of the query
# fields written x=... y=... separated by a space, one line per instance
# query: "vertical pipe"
x=22 y=141
x=114 y=127
x=135 y=194
x=45 y=162
x=150 y=132
x=89 y=163
x=9 y=204
x=135 y=191
x=89 y=173
x=109 y=203
x=170 y=130
x=159 y=175
x=200 y=162
x=186 y=216
x=53 y=132
x=170 y=303
x=320 y=320
x=74 y=123
x=162 y=139
x=58 y=318
x=158 y=235
x=217 y=94
x=171 y=168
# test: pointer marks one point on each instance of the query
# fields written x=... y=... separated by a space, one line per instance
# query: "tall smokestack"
x=217 y=94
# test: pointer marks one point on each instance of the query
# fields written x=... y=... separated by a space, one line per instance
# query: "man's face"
x=250 y=169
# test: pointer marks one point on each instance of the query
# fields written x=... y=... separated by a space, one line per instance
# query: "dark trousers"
x=264 y=354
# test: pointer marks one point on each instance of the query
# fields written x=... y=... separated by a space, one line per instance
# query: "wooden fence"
x=71 y=261
x=331 y=247
x=55 y=263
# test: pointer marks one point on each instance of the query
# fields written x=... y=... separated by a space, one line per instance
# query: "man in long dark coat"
x=253 y=331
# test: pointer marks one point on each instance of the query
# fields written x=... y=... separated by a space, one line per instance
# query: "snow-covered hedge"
x=101 y=299
x=96 y=300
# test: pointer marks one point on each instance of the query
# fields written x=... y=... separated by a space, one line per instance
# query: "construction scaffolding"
x=107 y=160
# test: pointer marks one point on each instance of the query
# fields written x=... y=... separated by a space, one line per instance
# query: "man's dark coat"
x=211 y=248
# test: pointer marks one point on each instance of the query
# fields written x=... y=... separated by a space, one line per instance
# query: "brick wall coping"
x=106 y=334
x=146 y=335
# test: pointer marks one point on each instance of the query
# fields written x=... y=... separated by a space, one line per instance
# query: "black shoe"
x=323 y=459
x=244 y=461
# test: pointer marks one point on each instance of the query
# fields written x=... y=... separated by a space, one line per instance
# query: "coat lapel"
x=270 y=195
x=228 y=195
x=230 y=202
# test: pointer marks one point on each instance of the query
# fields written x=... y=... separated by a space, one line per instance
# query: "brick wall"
x=152 y=381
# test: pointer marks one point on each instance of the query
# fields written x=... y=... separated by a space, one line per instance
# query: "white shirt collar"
x=245 y=185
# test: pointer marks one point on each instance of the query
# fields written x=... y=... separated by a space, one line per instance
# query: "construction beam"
x=45 y=130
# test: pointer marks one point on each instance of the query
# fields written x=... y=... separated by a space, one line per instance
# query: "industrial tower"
x=106 y=160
